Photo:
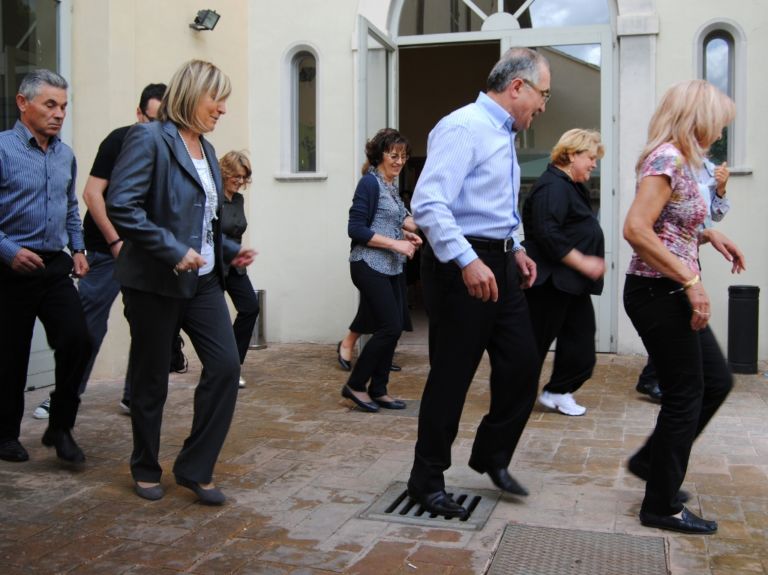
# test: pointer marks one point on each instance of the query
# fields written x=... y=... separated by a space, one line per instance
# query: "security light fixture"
x=205 y=20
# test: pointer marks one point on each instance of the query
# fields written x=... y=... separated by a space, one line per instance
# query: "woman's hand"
x=725 y=246
x=592 y=267
x=699 y=301
x=415 y=239
x=192 y=261
x=244 y=258
x=404 y=247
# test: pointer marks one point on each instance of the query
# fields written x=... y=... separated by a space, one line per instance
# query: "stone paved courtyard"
x=299 y=467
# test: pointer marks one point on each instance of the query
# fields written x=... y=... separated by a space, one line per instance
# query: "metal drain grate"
x=395 y=506
x=526 y=550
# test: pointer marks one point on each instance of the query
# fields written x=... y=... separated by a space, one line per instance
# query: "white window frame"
x=737 y=146
x=289 y=119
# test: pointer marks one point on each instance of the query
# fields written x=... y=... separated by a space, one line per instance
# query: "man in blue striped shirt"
x=39 y=217
x=473 y=273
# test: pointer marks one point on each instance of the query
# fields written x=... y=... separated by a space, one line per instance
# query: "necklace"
x=209 y=187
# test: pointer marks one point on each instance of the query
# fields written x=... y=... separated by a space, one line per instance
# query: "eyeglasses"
x=545 y=94
x=241 y=179
x=395 y=157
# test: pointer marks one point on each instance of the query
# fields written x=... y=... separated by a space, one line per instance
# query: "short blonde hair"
x=574 y=142
x=192 y=81
x=691 y=116
x=229 y=163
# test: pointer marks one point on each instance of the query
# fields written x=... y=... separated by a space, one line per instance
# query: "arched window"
x=304 y=112
x=720 y=48
x=718 y=69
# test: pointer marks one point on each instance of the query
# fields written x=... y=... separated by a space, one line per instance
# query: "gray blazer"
x=156 y=202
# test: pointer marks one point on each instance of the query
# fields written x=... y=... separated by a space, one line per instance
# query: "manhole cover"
x=395 y=506
x=526 y=550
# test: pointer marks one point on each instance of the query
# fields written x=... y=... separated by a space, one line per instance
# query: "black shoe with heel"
x=345 y=364
x=370 y=407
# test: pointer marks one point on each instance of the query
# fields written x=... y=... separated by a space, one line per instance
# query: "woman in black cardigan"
x=563 y=237
x=383 y=236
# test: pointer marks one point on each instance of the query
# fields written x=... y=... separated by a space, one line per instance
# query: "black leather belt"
x=487 y=245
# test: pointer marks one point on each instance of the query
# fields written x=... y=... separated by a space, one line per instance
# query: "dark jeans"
x=694 y=379
x=97 y=290
x=571 y=319
x=154 y=320
x=50 y=295
x=461 y=329
x=241 y=292
x=385 y=305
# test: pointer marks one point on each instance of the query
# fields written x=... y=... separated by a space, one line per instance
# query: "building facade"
x=313 y=79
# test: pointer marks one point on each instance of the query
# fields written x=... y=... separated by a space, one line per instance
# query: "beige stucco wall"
x=673 y=61
x=120 y=46
x=299 y=227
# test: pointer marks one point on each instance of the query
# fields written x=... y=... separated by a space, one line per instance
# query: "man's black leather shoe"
x=395 y=367
x=641 y=472
x=650 y=388
x=501 y=479
x=439 y=503
x=12 y=450
x=687 y=523
x=65 y=445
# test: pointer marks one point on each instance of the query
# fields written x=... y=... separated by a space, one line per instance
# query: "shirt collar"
x=499 y=116
x=28 y=137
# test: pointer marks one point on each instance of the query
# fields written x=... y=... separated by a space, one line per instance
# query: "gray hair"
x=30 y=85
x=521 y=63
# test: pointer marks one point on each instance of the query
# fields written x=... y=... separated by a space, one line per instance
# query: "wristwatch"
x=79 y=252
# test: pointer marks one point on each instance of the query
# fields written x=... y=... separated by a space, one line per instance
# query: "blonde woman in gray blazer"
x=164 y=200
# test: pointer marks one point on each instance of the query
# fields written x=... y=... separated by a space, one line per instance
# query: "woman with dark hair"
x=665 y=299
x=164 y=200
x=383 y=236
x=236 y=175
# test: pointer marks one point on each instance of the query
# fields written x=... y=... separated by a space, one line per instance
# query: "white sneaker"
x=43 y=410
x=562 y=402
x=241 y=383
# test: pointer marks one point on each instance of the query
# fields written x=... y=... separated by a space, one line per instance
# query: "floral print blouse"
x=679 y=222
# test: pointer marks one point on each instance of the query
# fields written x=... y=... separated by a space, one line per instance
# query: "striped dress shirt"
x=470 y=182
x=38 y=205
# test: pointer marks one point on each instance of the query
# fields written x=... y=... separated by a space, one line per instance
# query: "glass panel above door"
x=420 y=17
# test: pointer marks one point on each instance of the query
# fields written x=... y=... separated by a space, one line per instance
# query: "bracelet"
x=691 y=282
x=114 y=242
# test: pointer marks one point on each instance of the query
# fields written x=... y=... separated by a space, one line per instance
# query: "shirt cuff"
x=463 y=260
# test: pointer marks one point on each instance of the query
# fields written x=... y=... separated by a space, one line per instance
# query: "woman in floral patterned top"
x=665 y=299
x=383 y=236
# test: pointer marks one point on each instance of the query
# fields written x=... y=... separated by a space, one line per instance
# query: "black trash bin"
x=743 y=307
x=259 y=335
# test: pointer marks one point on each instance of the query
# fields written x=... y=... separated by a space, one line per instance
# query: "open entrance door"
x=375 y=85
x=438 y=74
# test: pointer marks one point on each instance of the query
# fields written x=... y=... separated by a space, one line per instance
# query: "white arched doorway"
x=437 y=55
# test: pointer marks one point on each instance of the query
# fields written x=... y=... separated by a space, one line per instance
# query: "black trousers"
x=241 y=292
x=385 y=306
x=50 y=295
x=154 y=320
x=571 y=319
x=461 y=329
x=694 y=379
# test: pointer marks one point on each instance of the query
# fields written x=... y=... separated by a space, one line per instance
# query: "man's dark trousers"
x=461 y=329
x=50 y=295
